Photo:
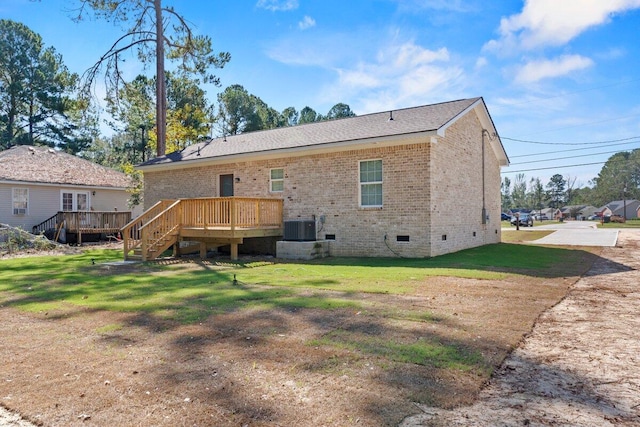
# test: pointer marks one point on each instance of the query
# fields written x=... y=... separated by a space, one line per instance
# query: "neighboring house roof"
x=617 y=207
x=544 y=211
x=42 y=165
x=378 y=128
x=579 y=209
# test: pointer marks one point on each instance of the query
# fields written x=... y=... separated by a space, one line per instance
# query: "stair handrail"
x=51 y=222
x=159 y=228
x=131 y=232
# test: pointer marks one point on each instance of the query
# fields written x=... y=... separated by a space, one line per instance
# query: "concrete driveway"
x=577 y=233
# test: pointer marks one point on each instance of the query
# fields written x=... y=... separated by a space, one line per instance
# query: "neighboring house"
x=38 y=182
x=546 y=213
x=382 y=184
x=578 y=212
x=627 y=208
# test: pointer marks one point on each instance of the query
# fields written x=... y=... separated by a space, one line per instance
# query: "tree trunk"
x=161 y=91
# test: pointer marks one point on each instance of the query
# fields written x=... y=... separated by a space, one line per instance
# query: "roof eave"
x=360 y=144
x=60 y=184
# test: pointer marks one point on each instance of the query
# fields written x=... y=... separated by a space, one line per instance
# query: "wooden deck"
x=85 y=222
x=210 y=221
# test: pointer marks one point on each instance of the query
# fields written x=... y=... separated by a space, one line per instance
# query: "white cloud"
x=481 y=62
x=306 y=23
x=537 y=70
x=278 y=5
x=554 y=23
x=400 y=75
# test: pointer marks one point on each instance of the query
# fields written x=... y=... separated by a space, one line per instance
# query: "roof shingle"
x=405 y=121
x=25 y=163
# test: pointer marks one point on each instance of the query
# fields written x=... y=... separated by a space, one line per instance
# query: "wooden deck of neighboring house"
x=81 y=223
x=215 y=221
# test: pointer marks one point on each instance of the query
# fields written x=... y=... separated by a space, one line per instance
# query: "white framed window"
x=71 y=201
x=276 y=180
x=20 y=199
x=371 y=183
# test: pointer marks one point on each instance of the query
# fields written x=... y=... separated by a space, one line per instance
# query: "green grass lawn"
x=435 y=328
x=630 y=223
x=187 y=294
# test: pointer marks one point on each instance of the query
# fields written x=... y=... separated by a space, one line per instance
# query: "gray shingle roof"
x=353 y=129
x=44 y=165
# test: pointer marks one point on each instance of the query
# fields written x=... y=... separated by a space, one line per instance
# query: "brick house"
x=628 y=208
x=36 y=183
x=414 y=182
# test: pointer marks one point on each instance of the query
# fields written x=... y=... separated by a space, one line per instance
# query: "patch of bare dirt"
x=264 y=367
x=580 y=366
x=59 y=249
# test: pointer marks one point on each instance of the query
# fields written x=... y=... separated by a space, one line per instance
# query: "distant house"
x=546 y=213
x=38 y=182
x=382 y=184
x=627 y=208
x=578 y=211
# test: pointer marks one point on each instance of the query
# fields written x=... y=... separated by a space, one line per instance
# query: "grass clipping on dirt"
x=330 y=342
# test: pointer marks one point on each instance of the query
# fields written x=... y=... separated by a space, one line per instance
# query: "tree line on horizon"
x=43 y=103
x=618 y=179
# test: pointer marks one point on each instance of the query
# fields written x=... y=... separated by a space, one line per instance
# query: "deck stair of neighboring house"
x=208 y=221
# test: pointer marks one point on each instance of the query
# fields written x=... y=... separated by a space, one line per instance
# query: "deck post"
x=125 y=244
x=232 y=220
x=203 y=250
x=143 y=243
x=234 y=251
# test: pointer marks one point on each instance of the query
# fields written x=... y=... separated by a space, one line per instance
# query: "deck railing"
x=85 y=221
x=231 y=212
x=95 y=221
x=154 y=230
x=131 y=232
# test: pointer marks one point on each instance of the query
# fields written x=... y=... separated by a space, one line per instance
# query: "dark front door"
x=226 y=185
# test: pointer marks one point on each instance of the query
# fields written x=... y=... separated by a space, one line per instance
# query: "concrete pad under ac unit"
x=302 y=250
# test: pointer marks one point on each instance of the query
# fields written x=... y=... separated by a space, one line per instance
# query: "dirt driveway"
x=580 y=366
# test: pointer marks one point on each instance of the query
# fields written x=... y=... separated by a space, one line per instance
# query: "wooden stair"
x=218 y=220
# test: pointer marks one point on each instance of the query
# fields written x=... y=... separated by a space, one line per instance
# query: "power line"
x=556 y=167
x=562 y=158
x=573 y=149
x=569 y=143
x=568 y=166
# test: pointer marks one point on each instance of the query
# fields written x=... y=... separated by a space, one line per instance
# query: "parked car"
x=505 y=217
x=617 y=218
x=525 y=220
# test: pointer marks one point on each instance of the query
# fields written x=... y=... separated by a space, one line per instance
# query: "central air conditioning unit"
x=300 y=230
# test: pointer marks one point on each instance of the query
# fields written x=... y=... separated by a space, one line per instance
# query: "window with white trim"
x=72 y=201
x=20 y=201
x=371 y=183
x=276 y=180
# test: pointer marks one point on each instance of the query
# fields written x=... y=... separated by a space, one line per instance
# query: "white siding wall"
x=44 y=202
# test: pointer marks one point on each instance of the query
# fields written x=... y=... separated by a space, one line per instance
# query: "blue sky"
x=564 y=75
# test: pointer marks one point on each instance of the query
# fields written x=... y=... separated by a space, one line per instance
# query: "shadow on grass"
x=248 y=319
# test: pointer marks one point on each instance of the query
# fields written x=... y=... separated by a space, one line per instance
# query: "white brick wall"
x=429 y=190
